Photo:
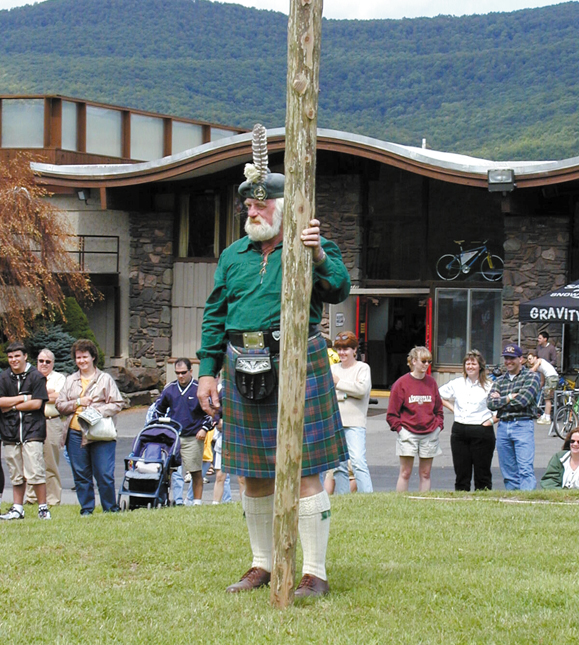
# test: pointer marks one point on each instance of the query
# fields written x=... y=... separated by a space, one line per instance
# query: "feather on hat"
x=260 y=182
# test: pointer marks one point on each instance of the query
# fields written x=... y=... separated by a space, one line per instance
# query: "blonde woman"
x=415 y=412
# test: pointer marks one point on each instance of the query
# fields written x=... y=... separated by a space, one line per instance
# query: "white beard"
x=262 y=232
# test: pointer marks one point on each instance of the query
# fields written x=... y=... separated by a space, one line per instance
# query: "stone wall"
x=151 y=280
x=340 y=210
x=151 y=265
x=536 y=262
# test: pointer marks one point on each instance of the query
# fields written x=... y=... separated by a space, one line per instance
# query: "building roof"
x=231 y=151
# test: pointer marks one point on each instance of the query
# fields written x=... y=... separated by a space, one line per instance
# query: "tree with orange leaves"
x=37 y=259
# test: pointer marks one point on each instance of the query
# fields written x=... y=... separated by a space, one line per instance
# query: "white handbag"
x=103 y=430
x=96 y=427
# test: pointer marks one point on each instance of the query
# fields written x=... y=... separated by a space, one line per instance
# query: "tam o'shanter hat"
x=261 y=183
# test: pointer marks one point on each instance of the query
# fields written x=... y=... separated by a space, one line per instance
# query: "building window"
x=146 y=137
x=103 y=131
x=209 y=221
x=22 y=123
x=204 y=226
x=467 y=319
x=219 y=133
x=199 y=225
x=186 y=136
x=69 y=126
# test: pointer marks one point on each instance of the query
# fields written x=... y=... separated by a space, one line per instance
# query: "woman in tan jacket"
x=90 y=388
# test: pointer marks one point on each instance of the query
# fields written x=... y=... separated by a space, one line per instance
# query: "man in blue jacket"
x=180 y=397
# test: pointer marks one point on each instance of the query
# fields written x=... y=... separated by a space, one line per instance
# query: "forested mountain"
x=502 y=85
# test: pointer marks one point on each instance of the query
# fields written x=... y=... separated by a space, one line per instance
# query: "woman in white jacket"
x=353 y=384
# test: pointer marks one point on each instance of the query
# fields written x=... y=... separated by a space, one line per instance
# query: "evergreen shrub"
x=58 y=342
x=76 y=323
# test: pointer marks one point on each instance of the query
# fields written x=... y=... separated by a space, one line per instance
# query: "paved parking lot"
x=381 y=445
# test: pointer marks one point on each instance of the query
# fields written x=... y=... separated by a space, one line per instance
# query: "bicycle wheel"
x=448 y=266
x=496 y=272
x=565 y=421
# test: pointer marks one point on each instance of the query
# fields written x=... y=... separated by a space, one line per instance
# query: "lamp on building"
x=83 y=194
x=501 y=180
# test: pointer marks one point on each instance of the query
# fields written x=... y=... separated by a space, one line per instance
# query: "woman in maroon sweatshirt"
x=415 y=412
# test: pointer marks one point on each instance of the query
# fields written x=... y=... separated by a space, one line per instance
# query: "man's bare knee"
x=258 y=487
x=310 y=485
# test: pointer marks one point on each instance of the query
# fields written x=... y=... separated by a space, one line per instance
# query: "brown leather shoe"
x=312 y=586
x=252 y=579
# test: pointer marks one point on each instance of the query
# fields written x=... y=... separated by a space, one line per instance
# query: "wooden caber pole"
x=304 y=45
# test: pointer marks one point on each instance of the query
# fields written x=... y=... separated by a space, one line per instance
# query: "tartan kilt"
x=250 y=429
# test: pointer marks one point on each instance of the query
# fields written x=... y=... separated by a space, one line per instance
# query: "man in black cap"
x=241 y=332
x=513 y=397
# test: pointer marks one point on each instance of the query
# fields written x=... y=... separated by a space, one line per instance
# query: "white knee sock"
x=259 y=518
x=314 y=528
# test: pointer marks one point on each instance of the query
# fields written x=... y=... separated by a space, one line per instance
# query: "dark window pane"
x=486 y=324
x=202 y=226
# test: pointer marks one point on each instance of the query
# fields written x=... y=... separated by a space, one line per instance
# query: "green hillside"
x=499 y=85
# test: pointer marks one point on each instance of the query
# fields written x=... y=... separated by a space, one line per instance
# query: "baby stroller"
x=156 y=453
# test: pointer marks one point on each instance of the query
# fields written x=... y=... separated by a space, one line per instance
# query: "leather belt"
x=261 y=339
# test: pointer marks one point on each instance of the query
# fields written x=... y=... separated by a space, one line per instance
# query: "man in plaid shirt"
x=513 y=397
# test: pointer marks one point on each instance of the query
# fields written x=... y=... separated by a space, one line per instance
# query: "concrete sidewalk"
x=381 y=454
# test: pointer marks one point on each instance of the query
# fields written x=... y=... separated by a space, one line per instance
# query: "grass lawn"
x=466 y=569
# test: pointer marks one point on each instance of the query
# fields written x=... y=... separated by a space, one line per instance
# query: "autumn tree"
x=38 y=263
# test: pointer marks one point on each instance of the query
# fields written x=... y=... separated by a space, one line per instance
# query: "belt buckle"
x=253 y=340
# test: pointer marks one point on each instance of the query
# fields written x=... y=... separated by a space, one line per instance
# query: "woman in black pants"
x=473 y=437
x=1 y=475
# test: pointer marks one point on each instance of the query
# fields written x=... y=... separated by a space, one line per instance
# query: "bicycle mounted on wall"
x=449 y=266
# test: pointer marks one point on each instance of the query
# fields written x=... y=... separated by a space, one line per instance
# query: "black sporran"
x=255 y=376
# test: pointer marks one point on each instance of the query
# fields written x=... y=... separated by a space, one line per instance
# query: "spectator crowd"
x=41 y=414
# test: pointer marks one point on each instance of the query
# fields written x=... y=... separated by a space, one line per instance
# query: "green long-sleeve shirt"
x=247 y=295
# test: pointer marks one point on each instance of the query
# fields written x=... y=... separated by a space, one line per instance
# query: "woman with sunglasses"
x=563 y=469
x=472 y=440
x=415 y=412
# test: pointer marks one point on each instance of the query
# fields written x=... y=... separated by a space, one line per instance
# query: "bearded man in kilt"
x=241 y=335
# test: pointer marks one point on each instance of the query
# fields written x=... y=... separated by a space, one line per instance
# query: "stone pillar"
x=339 y=208
x=151 y=281
x=340 y=212
x=536 y=263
